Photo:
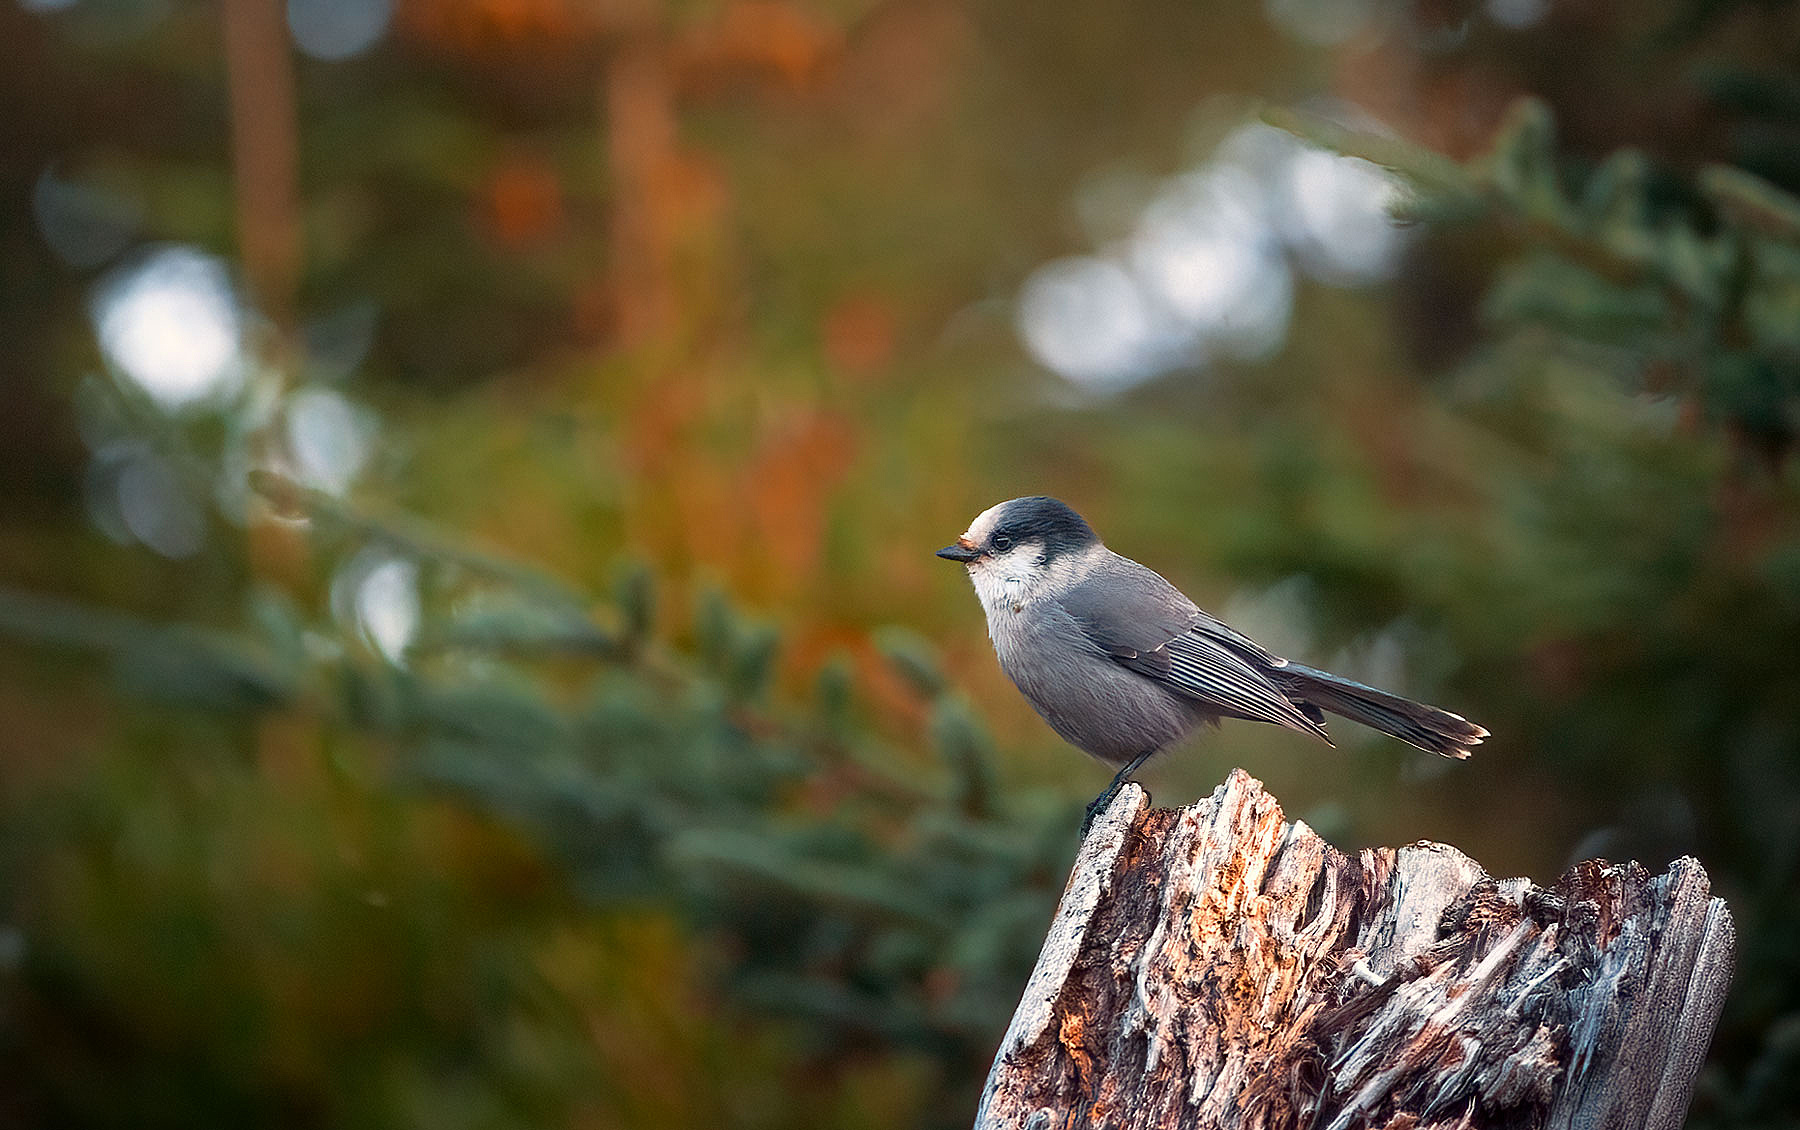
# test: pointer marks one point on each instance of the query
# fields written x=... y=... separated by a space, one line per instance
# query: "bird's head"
x=1021 y=537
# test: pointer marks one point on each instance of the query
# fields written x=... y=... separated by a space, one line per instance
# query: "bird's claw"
x=1099 y=803
x=1094 y=809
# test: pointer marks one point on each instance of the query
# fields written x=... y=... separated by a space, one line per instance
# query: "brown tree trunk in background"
x=265 y=153
x=1216 y=967
x=265 y=171
x=638 y=96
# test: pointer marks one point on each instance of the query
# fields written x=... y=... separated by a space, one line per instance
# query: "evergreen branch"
x=1751 y=202
x=1432 y=172
x=64 y=623
x=1609 y=234
x=411 y=535
x=180 y=664
x=756 y=859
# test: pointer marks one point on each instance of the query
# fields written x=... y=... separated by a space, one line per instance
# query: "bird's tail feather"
x=1436 y=731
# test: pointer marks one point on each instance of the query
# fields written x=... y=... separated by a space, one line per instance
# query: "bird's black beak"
x=961 y=551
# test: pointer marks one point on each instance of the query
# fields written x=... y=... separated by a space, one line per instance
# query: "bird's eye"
x=1002 y=542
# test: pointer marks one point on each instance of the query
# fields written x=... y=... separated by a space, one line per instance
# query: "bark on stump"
x=1215 y=967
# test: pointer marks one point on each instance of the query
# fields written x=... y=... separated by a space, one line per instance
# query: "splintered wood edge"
x=1682 y=974
x=1089 y=881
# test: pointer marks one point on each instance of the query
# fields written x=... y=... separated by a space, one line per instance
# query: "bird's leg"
x=1100 y=802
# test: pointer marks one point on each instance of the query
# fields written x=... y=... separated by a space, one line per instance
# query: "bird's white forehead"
x=984 y=523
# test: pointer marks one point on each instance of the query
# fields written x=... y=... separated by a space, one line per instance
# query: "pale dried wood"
x=1215 y=967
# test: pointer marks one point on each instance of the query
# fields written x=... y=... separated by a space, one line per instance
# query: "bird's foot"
x=1096 y=807
x=1099 y=803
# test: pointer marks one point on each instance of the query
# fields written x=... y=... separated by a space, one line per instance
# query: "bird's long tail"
x=1436 y=731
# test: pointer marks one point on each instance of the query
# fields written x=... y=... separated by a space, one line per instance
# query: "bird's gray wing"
x=1237 y=641
x=1146 y=625
x=1204 y=669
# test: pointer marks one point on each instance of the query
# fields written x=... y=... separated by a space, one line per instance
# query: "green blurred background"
x=470 y=650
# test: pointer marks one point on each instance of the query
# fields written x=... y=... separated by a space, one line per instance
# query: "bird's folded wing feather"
x=1201 y=668
x=1145 y=624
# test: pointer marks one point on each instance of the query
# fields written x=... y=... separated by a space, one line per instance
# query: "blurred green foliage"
x=301 y=936
x=599 y=743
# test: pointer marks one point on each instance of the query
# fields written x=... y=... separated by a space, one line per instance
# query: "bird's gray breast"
x=1088 y=698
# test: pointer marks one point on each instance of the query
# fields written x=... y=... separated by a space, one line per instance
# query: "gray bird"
x=1121 y=664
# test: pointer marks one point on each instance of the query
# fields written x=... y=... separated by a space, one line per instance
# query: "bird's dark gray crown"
x=1045 y=519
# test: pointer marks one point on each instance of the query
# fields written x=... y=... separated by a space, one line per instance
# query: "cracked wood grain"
x=1218 y=967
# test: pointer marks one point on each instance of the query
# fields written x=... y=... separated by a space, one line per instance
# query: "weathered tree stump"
x=1217 y=967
